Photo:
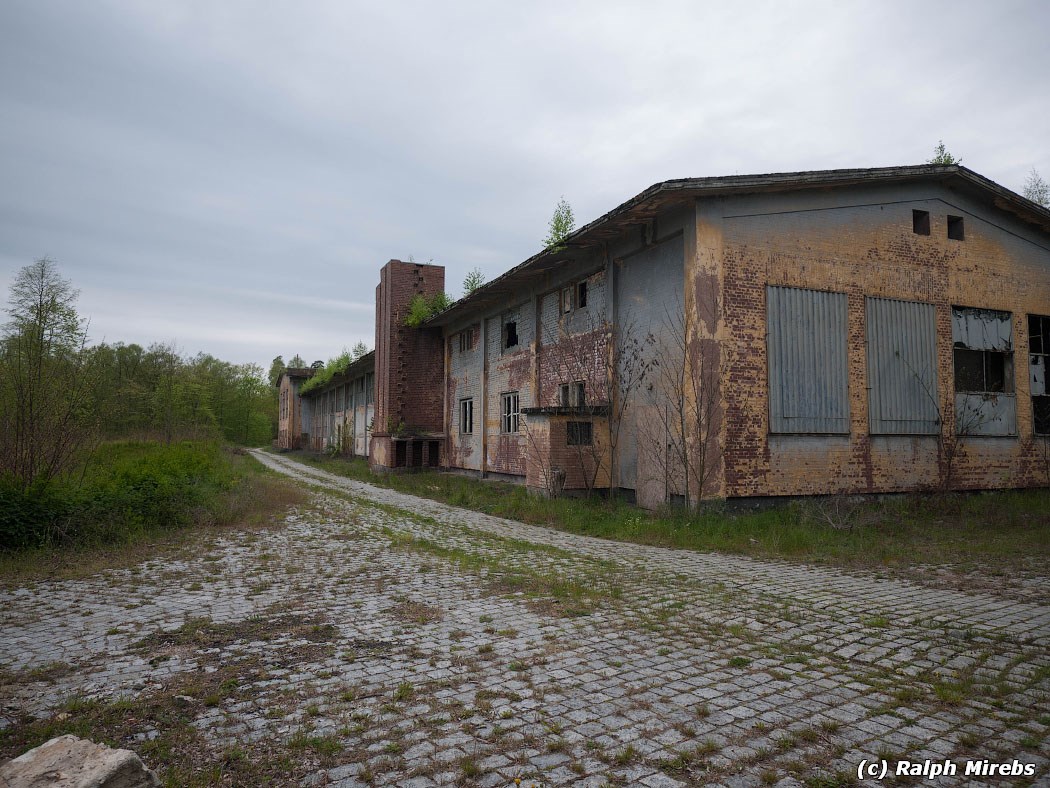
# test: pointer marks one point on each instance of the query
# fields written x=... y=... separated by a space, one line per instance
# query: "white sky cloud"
x=234 y=174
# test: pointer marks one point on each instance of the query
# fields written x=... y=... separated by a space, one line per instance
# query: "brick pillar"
x=409 y=361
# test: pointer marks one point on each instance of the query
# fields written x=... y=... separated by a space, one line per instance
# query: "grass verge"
x=133 y=500
x=966 y=530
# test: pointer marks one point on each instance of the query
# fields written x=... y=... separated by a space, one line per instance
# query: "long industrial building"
x=744 y=337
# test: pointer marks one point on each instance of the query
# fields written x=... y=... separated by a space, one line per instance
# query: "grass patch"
x=962 y=529
x=546 y=592
x=131 y=501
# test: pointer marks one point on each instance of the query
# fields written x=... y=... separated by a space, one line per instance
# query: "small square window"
x=955 y=228
x=920 y=222
x=579 y=433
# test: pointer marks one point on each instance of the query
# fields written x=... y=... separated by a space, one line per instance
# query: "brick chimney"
x=409 y=365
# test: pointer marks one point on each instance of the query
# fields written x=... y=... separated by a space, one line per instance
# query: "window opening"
x=509 y=412
x=983 y=361
x=466 y=340
x=1038 y=361
x=466 y=416
x=579 y=433
x=920 y=222
x=566 y=300
x=510 y=334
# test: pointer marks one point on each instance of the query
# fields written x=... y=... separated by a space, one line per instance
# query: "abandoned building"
x=333 y=416
x=744 y=337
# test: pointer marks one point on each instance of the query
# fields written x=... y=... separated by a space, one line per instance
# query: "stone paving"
x=434 y=646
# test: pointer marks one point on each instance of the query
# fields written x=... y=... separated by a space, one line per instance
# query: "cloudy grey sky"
x=231 y=175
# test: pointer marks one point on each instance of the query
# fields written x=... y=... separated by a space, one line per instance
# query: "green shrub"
x=32 y=518
x=124 y=489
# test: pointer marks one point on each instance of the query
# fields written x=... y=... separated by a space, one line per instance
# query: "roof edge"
x=730 y=184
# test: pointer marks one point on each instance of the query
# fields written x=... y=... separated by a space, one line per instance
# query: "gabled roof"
x=660 y=196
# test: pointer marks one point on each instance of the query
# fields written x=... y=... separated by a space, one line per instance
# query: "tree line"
x=60 y=396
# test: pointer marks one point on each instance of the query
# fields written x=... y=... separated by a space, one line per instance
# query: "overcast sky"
x=231 y=176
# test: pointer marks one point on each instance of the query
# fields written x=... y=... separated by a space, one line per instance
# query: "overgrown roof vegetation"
x=421 y=308
x=335 y=366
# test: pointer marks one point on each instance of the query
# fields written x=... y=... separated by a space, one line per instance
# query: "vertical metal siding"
x=808 y=382
x=902 y=367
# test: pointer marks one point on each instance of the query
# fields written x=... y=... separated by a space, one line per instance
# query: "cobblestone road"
x=416 y=644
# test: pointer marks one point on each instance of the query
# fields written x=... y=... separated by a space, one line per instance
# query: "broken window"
x=573 y=297
x=579 y=433
x=1038 y=361
x=466 y=416
x=509 y=412
x=983 y=361
x=510 y=334
x=920 y=222
x=566 y=300
x=902 y=367
x=955 y=228
x=808 y=384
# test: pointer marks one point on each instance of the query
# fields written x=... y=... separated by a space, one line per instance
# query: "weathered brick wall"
x=409 y=370
x=464 y=382
x=289 y=423
x=584 y=465
x=865 y=246
x=574 y=346
x=508 y=370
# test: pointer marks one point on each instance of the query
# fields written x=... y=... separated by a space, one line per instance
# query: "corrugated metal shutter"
x=808 y=382
x=902 y=367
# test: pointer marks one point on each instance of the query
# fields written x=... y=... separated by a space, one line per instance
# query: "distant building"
x=338 y=414
x=744 y=337
x=289 y=413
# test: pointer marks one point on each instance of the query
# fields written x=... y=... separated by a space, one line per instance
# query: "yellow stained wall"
x=862 y=245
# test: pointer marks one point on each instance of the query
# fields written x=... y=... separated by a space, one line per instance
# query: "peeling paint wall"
x=463 y=382
x=650 y=293
x=861 y=244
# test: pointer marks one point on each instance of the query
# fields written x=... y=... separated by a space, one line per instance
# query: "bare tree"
x=45 y=389
x=687 y=402
x=601 y=367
